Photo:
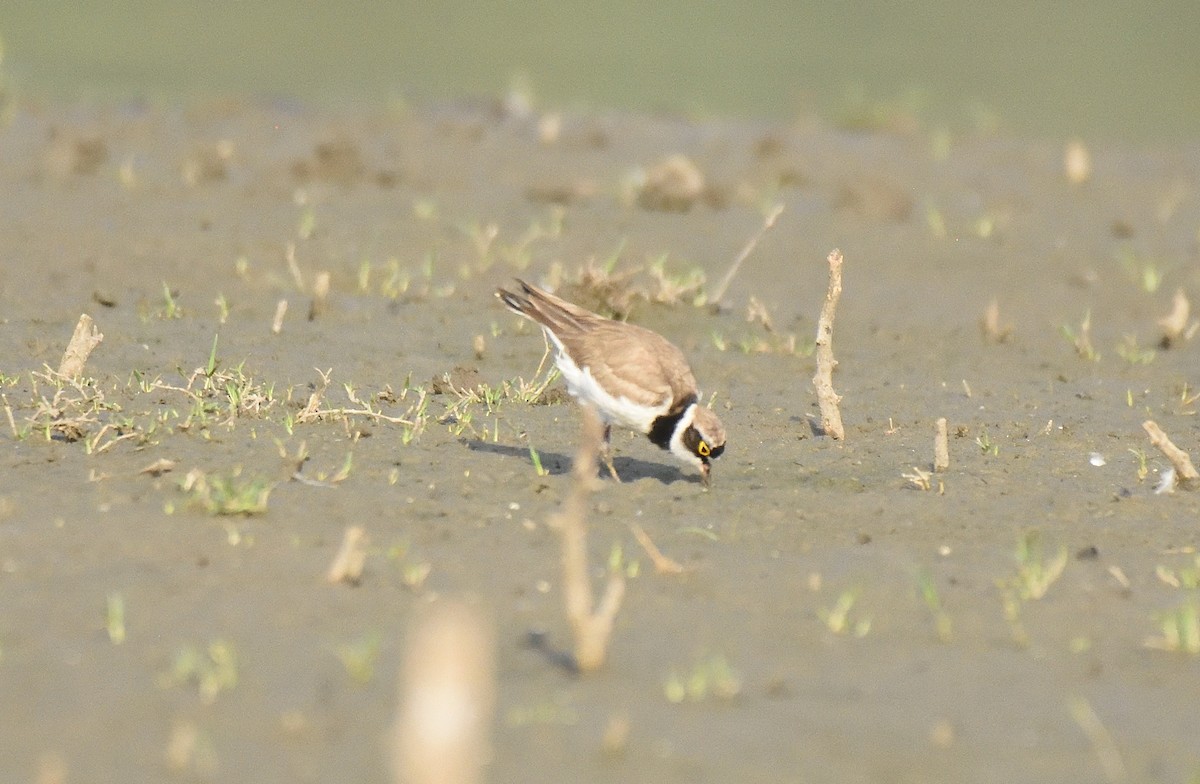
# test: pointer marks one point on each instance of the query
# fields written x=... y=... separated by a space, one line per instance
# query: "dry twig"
x=87 y=336
x=827 y=398
x=662 y=564
x=1184 y=470
x=941 y=447
x=719 y=292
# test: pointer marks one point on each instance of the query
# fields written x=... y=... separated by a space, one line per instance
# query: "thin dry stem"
x=159 y=467
x=827 y=398
x=87 y=336
x=662 y=564
x=591 y=629
x=1184 y=470
x=1083 y=341
x=289 y=255
x=8 y=413
x=941 y=447
x=756 y=312
x=719 y=292
x=280 y=311
x=1101 y=739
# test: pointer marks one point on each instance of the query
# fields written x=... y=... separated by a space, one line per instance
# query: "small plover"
x=631 y=376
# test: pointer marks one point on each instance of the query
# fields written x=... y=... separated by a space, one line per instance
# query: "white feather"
x=612 y=409
x=677 y=448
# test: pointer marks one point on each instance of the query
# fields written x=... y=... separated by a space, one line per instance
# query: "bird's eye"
x=703 y=449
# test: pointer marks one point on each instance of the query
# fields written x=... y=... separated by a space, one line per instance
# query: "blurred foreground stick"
x=441 y=734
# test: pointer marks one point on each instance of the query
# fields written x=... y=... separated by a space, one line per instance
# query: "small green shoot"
x=213 y=670
x=170 y=309
x=414 y=574
x=986 y=445
x=307 y=225
x=1081 y=339
x=837 y=618
x=364 y=276
x=928 y=591
x=711 y=676
x=231 y=495
x=1187 y=400
x=114 y=618
x=1145 y=273
x=935 y=221
x=1032 y=580
x=425 y=209
x=1035 y=573
x=211 y=367
x=1142 y=468
x=1012 y=605
x=1180 y=630
x=358 y=657
x=537 y=462
x=1187 y=577
x=1129 y=351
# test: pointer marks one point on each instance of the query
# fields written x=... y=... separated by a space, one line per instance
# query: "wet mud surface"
x=870 y=630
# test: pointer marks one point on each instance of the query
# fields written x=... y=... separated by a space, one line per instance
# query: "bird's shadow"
x=556 y=464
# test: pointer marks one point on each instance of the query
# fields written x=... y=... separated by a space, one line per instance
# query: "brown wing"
x=633 y=362
x=630 y=361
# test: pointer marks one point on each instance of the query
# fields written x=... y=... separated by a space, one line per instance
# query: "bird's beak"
x=706 y=474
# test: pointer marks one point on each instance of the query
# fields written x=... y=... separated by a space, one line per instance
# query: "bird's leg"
x=606 y=453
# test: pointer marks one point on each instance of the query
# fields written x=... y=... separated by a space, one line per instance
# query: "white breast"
x=612 y=409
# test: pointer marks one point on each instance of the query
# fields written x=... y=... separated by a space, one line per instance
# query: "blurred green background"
x=1104 y=69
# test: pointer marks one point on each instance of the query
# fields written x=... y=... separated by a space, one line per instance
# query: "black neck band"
x=664 y=427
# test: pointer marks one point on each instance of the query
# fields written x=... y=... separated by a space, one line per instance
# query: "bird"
x=631 y=376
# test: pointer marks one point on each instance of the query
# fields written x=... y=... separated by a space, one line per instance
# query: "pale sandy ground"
x=102 y=208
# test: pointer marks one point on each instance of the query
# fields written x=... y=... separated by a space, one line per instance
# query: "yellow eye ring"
x=703 y=449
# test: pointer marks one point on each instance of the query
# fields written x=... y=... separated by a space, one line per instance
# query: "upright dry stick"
x=83 y=342
x=591 y=629
x=941 y=447
x=831 y=416
x=1184 y=470
x=280 y=312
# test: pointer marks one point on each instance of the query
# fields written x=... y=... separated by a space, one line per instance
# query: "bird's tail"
x=546 y=309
